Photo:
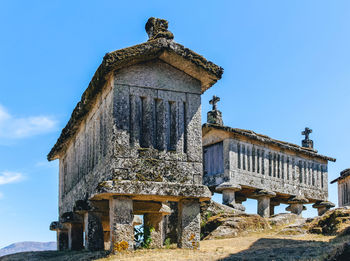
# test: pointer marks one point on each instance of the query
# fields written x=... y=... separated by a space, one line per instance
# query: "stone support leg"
x=62 y=240
x=121 y=222
x=297 y=204
x=296 y=208
x=75 y=236
x=154 y=229
x=323 y=206
x=273 y=204
x=322 y=210
x=228 y=199
x=264 y=206
x=93 y=231
x=189 y=223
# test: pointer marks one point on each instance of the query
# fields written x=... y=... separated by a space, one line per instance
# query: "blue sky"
x=286 y=64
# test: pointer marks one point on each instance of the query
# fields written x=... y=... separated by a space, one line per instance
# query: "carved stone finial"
x=307 y=143
x=214 y=116
x=158 y=28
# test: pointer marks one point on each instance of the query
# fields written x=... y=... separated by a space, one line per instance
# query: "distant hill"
x=27 y=246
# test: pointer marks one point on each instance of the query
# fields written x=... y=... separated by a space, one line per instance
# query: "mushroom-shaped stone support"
x=228 y=195
x=137 y=221
x=323 y=206
x=62 y=235
x=297 y=204
x=264 y=197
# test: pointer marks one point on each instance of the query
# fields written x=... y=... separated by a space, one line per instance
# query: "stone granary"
x=242 y=164
x=133 y=145
x=343 y=188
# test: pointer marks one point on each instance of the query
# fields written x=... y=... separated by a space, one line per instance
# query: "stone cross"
x=214 y=101
x=306 y=132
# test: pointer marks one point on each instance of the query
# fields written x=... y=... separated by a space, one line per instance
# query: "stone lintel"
x=144 y=207
x=297 y=199
x=151 y=191
x=323 y=204
x=263 y=193
x=71 y=217
x=228 y=186
x=239 y=198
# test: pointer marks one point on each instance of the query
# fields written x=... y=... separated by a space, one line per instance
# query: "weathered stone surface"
x=75 y=236
x=154 y=226
x=121 y=222
x=214 y=116
x=257 y=162
x=333 y=222
x=94 y=237
x=189 y=224
x=323 y=206
x=173 y=53
x=160 y=190
x=226 y=225
x=134 y=137
x=283 y=219
x=343 y=188
x=158 y=28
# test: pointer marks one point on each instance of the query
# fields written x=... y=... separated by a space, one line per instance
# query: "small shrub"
x=167 y=243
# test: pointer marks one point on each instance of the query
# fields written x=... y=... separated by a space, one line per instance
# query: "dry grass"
x=222 y=248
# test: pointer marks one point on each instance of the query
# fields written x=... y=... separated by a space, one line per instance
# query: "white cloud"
x=7 y=177
x=12 y=127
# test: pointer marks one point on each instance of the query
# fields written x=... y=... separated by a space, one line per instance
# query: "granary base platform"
x=107 y=219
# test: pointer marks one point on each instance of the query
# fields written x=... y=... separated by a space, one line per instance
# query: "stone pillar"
x=189 y=223
x=75 y=236
x=323 y=206
x=273 y=204
x=228 y=195
x=296 y=204
x=153 y=225
x=62 y=240
x=121 y=221
x=62 y=235
x=263 y=197
x=170 y=223
x=94 y=240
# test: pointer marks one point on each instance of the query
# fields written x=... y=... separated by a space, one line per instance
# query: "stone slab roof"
x=345 y=173
x=162 y=48
x=265 y=139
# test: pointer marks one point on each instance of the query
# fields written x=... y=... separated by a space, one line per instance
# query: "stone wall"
x=264 y=167
x=84 y=164
x=344 y=192
x=136 y=131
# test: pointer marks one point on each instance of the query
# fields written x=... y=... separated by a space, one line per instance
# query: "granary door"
x=213 y=159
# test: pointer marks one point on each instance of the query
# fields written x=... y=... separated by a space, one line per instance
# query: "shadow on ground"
x=55 y=256
x=289 y=249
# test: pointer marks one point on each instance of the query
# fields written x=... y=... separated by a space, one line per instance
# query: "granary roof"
x=265 y=139
x=159 y=46
x=345 y=173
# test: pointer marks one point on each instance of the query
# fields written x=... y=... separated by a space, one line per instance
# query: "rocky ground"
x=229 y=235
